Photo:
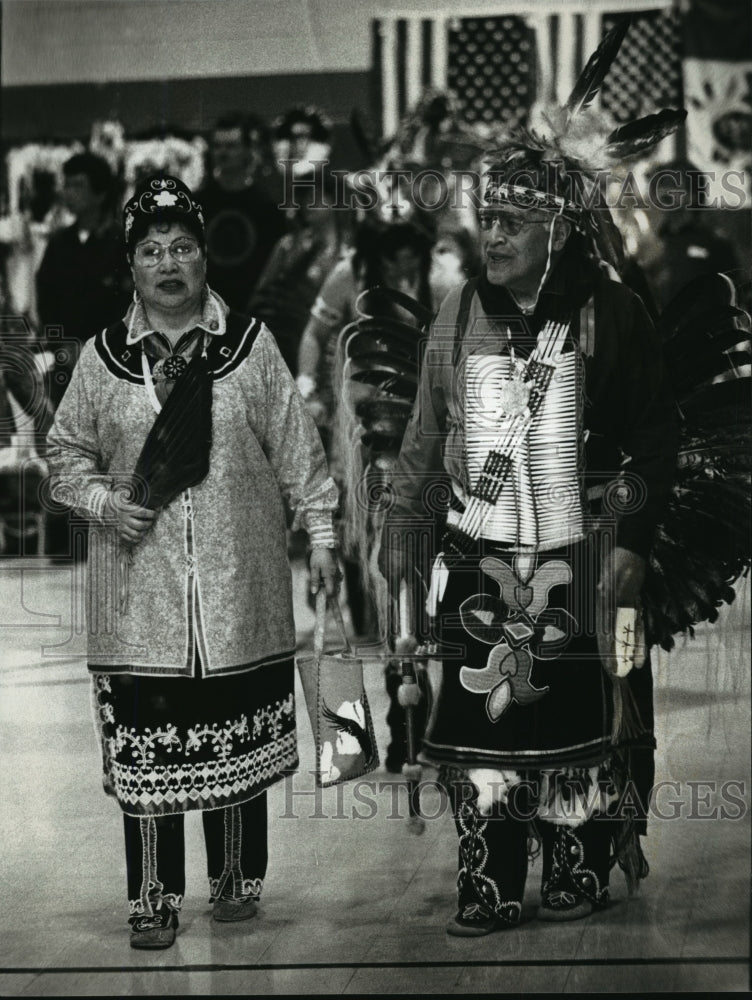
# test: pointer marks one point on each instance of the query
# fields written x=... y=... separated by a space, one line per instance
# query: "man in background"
x=243 y=222
x=687 y=243
x=83 y=282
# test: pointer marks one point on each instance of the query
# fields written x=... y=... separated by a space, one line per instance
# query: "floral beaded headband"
x=161 y=198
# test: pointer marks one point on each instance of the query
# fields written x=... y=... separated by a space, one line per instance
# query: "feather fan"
x=175 y=455
x=383 y=301
x=397 y=337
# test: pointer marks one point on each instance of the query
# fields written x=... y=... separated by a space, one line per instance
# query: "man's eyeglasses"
x=510 y=225
x=182 y=250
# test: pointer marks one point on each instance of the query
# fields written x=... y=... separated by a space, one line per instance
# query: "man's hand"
x=132 y=521
x=325 y=570
x=623 y=576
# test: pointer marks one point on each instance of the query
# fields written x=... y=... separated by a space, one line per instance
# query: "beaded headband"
x=161 y=198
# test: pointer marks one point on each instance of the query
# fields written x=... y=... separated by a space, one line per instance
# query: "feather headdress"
x=558 y=166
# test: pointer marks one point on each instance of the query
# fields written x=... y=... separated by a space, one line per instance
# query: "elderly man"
x=539 y=378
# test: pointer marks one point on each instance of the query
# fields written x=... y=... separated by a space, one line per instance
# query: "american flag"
x=491 y=68
x=647 y=72
x=498 y=66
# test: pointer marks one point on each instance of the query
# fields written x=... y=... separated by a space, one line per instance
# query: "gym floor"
x=354 y=901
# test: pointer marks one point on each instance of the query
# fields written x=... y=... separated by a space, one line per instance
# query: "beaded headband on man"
x=160 y=199
x=525 y=197
x=530 y=186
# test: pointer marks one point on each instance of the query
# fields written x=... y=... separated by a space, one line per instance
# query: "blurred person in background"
x=302 y=143
x=243 y=220
x=396 y=255
x=83 y=283
x=685 y=244
x=318 y=237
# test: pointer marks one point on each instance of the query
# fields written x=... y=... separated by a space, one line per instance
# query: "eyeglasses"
x=510 y=225
x=182 y=250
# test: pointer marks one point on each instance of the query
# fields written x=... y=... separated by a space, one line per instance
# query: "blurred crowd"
x=282 y=245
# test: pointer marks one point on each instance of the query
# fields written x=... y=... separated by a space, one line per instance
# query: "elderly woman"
x=191 y=647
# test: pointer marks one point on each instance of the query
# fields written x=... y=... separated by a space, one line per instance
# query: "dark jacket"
x=83 y=287
x=242 y=228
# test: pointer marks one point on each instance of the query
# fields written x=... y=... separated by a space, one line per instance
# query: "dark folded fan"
x=175 y=455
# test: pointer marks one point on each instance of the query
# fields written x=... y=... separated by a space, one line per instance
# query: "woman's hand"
x=132 y=521
x=325 y=570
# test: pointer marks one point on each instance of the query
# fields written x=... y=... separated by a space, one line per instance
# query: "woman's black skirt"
x=174 y=744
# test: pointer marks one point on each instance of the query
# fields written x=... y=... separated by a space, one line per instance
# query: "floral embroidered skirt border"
x=175 y=744
x=522 y=684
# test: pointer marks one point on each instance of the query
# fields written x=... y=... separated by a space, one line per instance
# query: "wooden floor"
x=354 y=904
